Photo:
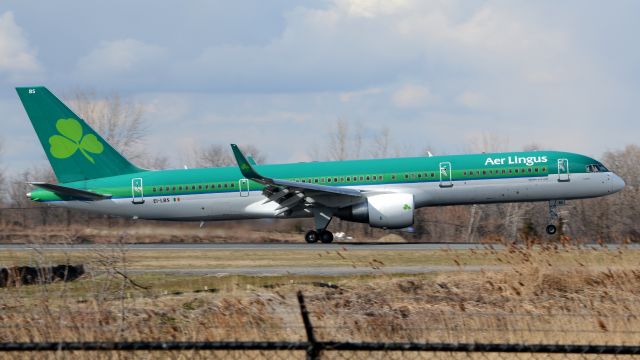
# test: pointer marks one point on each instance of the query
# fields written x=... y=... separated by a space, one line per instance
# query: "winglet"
x=245 y=166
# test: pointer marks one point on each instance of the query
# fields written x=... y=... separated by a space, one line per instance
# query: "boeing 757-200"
x=384 y=193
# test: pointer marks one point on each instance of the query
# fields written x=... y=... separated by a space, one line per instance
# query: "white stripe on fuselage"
x=232 y=206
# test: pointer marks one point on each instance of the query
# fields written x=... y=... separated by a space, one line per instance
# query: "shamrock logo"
x=71 y=140
x=245 y=167
x=406 y=207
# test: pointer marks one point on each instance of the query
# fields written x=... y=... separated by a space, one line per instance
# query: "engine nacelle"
x=388 y=211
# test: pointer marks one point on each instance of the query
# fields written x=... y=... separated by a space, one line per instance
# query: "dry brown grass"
x=543 y=295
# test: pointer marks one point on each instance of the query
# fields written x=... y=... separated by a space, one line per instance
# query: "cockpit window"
x=596 y=168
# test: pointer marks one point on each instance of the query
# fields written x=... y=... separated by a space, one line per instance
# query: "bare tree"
x=381 y=143
x=339 y=141
x=2 y=177
x=119 y=121
x=19 y=187
x=487 y=142
x=216 y=155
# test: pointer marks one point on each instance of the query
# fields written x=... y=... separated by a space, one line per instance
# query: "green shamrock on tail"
x=71 y=139
x=406 y=207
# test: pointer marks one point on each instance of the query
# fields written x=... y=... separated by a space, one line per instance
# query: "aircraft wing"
x=71 y=192
x=290 y=194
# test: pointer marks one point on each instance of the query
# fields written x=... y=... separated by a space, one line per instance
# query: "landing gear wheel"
x=551 y=229
x=326 y=237
x=311 y=237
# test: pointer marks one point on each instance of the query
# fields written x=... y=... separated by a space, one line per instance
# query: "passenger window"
x=315 y=180
x=342 y=179
x=328 y=180
x=348 y=178
x=544 y=169
x=167 y=188
x=219 y=186
x=504 y=171
x=516 y=171
x=225 y=185
x=361 y=178
x=406 y=176
x=484 y=172
x=536 y=170
x=180 y=187
x=199 y=187
x=174 y=188
x=233 y=185
x=510 y=171
x=154 y=189
x=393 y=177
x=529 y=169
x=433 y=174
x=335 y=179
x=367 y=177
x=322 y=180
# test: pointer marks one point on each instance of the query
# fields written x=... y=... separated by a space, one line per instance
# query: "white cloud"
x=120 y=57
x=412 y=96
x=471 y=99
x=352 y=95
x=17 y=58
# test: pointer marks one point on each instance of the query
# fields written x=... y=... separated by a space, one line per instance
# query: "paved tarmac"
x=249 y=246
x=292 y=270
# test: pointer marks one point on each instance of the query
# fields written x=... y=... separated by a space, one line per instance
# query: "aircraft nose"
x=617 y=183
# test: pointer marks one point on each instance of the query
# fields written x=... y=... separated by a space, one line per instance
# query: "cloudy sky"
x=278 y=74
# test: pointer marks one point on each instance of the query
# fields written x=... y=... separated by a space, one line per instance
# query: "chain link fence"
x=313 y=348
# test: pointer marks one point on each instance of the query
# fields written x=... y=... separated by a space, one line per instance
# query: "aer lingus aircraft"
x=384 y=193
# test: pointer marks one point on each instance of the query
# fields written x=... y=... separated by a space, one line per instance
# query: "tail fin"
x=76 y=152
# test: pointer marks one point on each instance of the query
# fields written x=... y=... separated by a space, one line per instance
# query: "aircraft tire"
x=326 y=237
x=311 y=237
x=551 y=229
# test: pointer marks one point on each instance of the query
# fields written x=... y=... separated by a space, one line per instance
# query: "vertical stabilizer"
x=76 y=152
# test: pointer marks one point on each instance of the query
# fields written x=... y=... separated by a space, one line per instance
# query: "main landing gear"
x=325 y=236
x=321 y=217
x=553 y=215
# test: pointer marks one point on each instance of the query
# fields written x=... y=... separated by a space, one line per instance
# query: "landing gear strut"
x=553 y=215
x=321 y=217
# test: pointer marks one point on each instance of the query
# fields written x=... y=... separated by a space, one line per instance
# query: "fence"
x=315 y=349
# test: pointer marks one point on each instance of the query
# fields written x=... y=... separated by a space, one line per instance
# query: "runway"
x=275 y=259
x=250 y=246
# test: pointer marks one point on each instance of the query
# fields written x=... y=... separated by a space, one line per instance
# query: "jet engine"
x=387 y=211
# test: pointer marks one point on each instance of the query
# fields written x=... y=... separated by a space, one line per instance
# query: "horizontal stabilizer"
x=71 y=192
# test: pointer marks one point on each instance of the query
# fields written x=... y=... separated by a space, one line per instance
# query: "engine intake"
x=387 y=211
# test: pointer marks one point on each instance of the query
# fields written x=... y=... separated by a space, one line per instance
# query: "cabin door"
x=445 y=174
x=243 y=186
x=563 y=170
x=137 y=195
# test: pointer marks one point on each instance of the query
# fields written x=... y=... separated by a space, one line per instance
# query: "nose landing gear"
x=553 y=215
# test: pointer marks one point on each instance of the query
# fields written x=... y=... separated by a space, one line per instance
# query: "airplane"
x=93 y=176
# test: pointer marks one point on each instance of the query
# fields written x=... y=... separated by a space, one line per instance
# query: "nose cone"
x=617 y=183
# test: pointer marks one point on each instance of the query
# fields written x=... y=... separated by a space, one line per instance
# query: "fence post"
x=313 y=351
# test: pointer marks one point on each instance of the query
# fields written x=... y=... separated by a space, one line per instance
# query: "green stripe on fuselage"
x=392 y=171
